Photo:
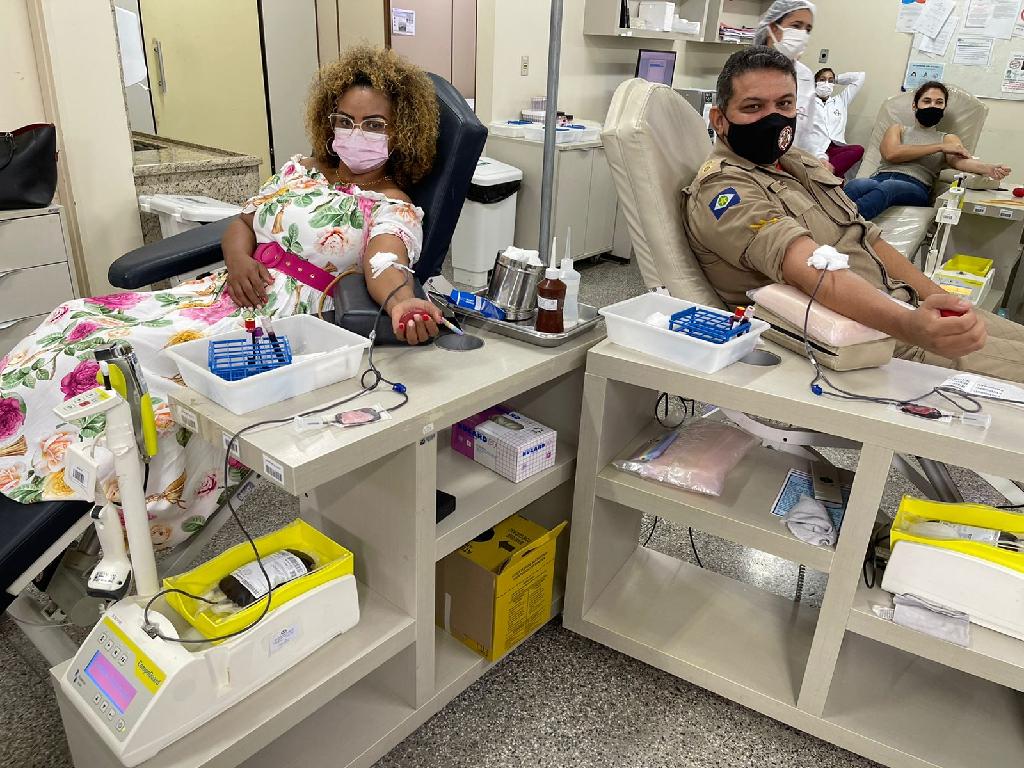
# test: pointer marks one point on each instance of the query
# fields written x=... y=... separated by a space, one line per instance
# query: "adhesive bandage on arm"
x=381 y=262
x=825 y=257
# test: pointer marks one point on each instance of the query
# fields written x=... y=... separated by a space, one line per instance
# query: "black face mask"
x=764 y=141
x=929 y=117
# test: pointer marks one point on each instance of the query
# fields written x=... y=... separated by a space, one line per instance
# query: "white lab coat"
x=809 y=135
x=832 y=114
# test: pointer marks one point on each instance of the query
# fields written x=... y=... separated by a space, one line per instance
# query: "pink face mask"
x=360 y=152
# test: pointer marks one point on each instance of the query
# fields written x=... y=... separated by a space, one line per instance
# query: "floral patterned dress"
x=329 y=226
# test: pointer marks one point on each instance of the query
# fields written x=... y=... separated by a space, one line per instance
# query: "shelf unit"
x=602 y=17
x=741 y=514
x=991 y=655
x=374 y=490
x=697 y=624
x=238 y=733
x=485 y=498
x=896 y=696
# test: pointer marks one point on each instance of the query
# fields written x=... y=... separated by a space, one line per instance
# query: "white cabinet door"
x=603 y=203
x=572 y=198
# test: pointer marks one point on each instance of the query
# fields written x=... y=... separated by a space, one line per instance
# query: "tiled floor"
x=558 y=700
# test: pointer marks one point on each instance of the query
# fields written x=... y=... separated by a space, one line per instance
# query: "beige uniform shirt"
x=740 y=218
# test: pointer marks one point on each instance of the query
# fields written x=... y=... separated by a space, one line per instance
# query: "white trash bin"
x=180 y=213
x=488 y=221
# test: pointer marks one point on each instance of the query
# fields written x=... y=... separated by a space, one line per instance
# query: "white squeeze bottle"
x=571 y=278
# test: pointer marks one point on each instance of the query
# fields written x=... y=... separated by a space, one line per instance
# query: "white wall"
x=77 y=55
x=20 y=100
x=591 y=67
x=862 y=35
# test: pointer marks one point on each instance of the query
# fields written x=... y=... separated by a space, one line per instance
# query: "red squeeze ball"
x=950 y=313
x=1018 y=192
x=407 y=318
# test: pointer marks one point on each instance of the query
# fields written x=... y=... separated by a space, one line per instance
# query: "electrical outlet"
x=823 y=56
x=524 y=66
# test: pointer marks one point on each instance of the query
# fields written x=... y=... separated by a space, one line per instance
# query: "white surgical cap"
x=777 y=10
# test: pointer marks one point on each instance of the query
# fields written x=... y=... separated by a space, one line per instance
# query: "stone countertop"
x=155 y=155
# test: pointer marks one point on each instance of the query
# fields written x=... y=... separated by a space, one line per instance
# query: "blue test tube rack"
x=708 y=325
x=237 y=359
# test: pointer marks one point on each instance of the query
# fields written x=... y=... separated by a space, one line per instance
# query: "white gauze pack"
x=828 y=258
x=380 y=262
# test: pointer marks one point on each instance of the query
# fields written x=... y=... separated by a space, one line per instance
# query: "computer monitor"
x=656 y=66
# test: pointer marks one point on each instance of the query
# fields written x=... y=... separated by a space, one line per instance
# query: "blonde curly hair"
x=413 y=130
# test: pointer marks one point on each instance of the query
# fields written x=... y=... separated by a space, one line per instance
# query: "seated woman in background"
x=914 y=156
x=832 y=114
x=372 y=120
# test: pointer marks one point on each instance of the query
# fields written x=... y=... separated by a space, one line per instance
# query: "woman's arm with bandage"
x=389 y=281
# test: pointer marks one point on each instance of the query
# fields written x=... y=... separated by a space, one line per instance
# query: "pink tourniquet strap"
x=273 y=256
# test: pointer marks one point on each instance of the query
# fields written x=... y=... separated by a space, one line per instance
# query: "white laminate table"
x=373 y=490
x=899 y=697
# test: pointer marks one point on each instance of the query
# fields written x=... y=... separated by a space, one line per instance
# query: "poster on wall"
x=973 y=51
x=1013 y=79
x=921 y=72
x=993 y=18
x=403 y=22
x=909 y=12
x=934 y=16
x=939 y=44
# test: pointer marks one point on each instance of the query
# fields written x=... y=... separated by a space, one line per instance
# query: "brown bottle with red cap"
x=550 y=301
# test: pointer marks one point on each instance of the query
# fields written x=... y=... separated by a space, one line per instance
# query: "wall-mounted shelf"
x=603 y=17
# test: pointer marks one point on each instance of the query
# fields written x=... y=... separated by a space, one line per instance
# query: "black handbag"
x=28 y=167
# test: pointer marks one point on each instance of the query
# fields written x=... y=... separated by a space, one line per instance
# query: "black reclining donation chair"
x=34 y=536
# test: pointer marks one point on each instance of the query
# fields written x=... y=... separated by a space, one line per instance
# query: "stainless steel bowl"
x=513 y=287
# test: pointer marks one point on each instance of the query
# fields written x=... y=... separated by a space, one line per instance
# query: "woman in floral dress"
x=372 y=120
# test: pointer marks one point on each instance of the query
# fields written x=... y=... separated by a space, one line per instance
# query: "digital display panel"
x=111 y=683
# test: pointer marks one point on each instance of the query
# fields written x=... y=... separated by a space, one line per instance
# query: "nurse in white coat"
x=786 y=26
x=832 y=114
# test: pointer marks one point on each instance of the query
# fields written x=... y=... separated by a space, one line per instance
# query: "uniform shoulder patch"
x=723 y=201
x=711 y=166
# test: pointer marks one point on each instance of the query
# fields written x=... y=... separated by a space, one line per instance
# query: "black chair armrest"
x=169 y=257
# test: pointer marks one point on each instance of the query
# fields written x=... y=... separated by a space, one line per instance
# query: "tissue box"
x=506 y=442
x=657 y=15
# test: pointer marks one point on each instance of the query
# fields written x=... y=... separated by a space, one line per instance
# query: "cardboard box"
x=496 y=590
x=506 y=442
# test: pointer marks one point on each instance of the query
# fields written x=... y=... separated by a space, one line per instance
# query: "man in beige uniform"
x=758 y=209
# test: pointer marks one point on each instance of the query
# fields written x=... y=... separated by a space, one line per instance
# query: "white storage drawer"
x=30 y=241
x=13 y=331
x=35 y=291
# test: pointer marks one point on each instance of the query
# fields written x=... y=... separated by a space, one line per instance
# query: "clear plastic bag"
x=697 y=457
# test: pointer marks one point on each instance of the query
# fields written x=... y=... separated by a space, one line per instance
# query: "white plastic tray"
x=323 y=354
x=627 y=327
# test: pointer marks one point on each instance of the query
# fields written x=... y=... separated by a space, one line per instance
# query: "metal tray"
x=523 y=329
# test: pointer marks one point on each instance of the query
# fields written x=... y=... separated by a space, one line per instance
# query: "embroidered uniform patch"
x=764 y=223
x=723 y=201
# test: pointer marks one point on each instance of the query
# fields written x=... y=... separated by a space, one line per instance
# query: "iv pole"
x=550 y=122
